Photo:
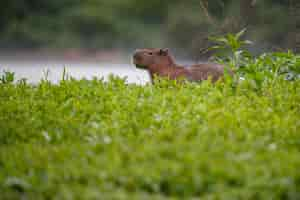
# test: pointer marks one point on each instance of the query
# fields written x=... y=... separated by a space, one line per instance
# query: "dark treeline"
x=272 y=24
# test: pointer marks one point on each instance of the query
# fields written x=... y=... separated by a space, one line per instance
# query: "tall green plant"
x=230 y=48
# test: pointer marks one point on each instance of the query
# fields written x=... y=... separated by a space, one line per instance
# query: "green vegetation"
x=134 y=23
x=237 y=139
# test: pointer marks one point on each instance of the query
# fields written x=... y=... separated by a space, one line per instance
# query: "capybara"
x=160 y=62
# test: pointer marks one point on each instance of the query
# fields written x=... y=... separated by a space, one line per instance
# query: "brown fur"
x=161 y=63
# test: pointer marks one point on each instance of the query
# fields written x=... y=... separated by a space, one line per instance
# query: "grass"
x=110 y=140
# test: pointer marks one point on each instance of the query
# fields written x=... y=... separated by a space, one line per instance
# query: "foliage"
x=266 y=67
x=268 y=24
x=7 y=77
x=111 y=140
x=233 y=45
x=133 y=23
x=90 y=23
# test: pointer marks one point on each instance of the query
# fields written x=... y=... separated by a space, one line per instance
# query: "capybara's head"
x=144 y=58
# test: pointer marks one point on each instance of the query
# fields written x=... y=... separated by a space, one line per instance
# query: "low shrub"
x=80 y=139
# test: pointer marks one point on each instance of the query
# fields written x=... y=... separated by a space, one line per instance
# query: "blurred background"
x=109 y=31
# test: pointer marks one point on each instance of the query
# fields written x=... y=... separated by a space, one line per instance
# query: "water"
x=34 y=70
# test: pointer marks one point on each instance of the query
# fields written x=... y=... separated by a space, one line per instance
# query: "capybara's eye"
x=150 y=53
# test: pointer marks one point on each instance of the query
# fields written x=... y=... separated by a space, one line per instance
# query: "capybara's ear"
x=163 y=52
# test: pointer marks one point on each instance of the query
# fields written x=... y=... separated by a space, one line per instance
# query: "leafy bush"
x=264 y=68
x=94 y=139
